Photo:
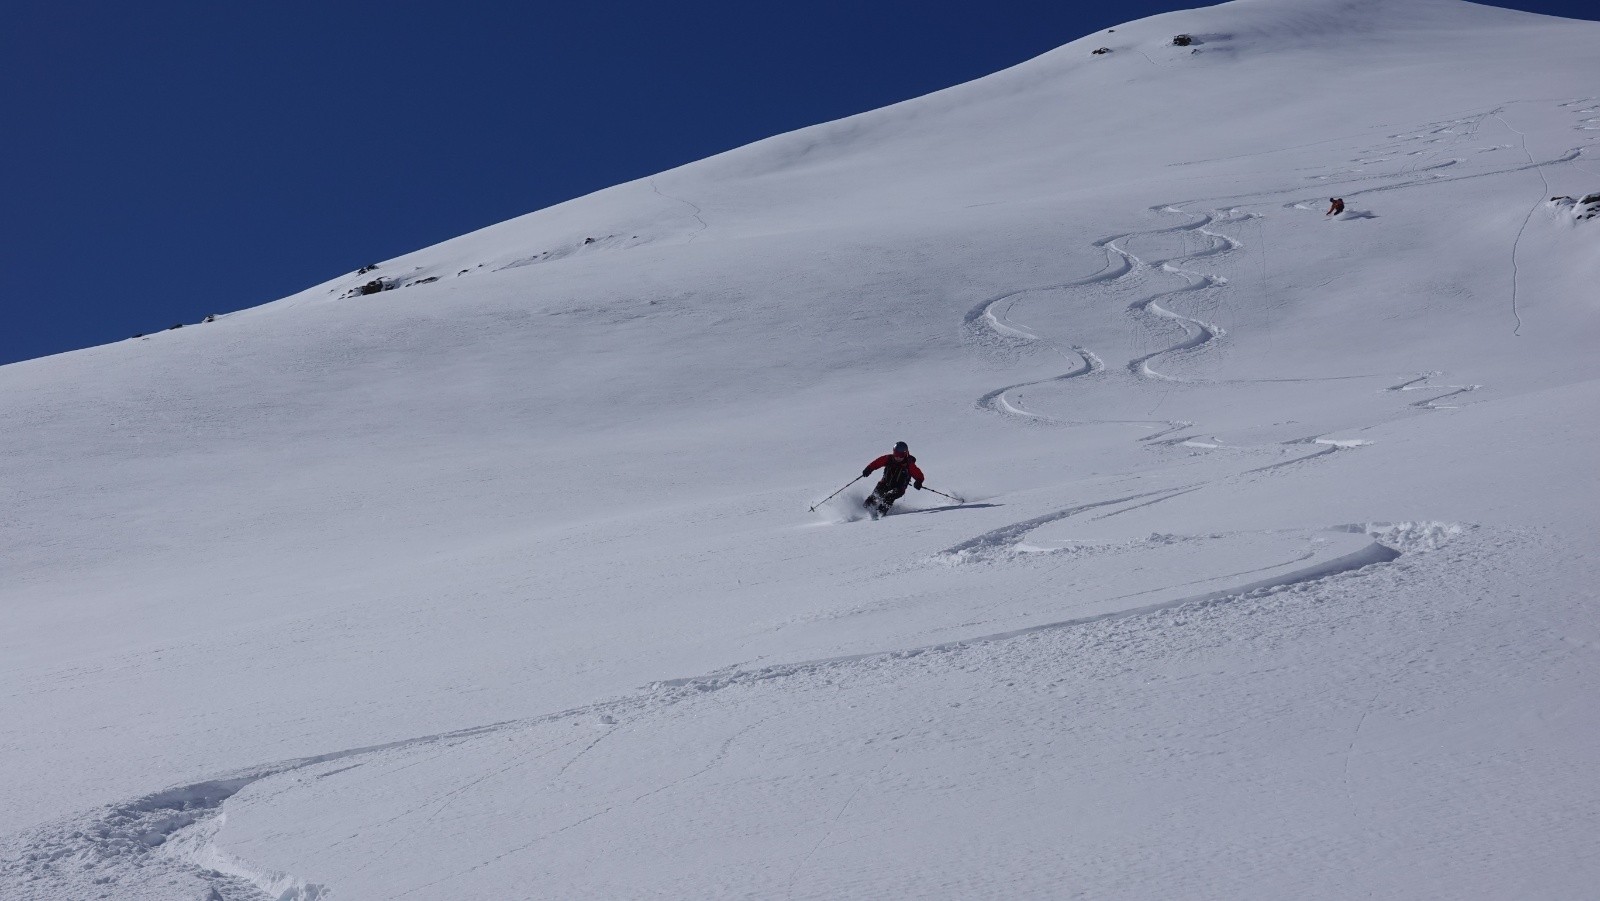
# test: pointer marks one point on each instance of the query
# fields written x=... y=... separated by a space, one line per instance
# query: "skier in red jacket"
x=898 y=468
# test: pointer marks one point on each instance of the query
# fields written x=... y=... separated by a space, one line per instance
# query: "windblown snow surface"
x=1273 y=578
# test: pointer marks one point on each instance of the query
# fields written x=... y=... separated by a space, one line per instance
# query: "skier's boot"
x=875 y=505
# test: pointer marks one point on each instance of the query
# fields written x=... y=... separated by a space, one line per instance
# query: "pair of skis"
x=830 y=497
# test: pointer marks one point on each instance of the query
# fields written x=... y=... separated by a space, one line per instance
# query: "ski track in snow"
x=1120 y=265
x=800 y=867
x=1355 y=736
x=168 y=837
x=1516 y=244
x=693 y=208
x=1432 y=403
x=717 y=758
x=1198 y=332
x=1123 y=266
x=1007 y=537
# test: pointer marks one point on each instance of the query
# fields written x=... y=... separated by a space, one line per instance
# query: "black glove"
x=919 y=486
x=866 y=472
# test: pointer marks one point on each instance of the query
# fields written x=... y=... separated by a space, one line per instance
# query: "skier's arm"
x=917 y=475
x=875 y=464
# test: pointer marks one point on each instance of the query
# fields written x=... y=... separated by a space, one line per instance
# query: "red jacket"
x=888 y=460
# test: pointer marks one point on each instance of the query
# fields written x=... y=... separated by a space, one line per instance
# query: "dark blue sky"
x=166 y=160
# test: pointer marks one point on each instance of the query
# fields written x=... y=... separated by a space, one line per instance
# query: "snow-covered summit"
x=1271 y=577
x=1064 y=122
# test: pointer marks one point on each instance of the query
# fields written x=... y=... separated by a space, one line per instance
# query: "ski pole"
x=835 y=494
x=958 y=500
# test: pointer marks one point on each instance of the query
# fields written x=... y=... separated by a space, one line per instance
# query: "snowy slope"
x=1273 y=577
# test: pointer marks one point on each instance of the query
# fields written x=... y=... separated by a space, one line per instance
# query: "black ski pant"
x=888 y=493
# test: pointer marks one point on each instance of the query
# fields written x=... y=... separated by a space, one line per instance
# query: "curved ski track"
x=694 y=210
x=1120 y=264
x=1123 y=266
x=1198 y=332
x=167 y=838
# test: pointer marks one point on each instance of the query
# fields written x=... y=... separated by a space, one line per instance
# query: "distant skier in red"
x=898 y=468
x=1335 y=206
